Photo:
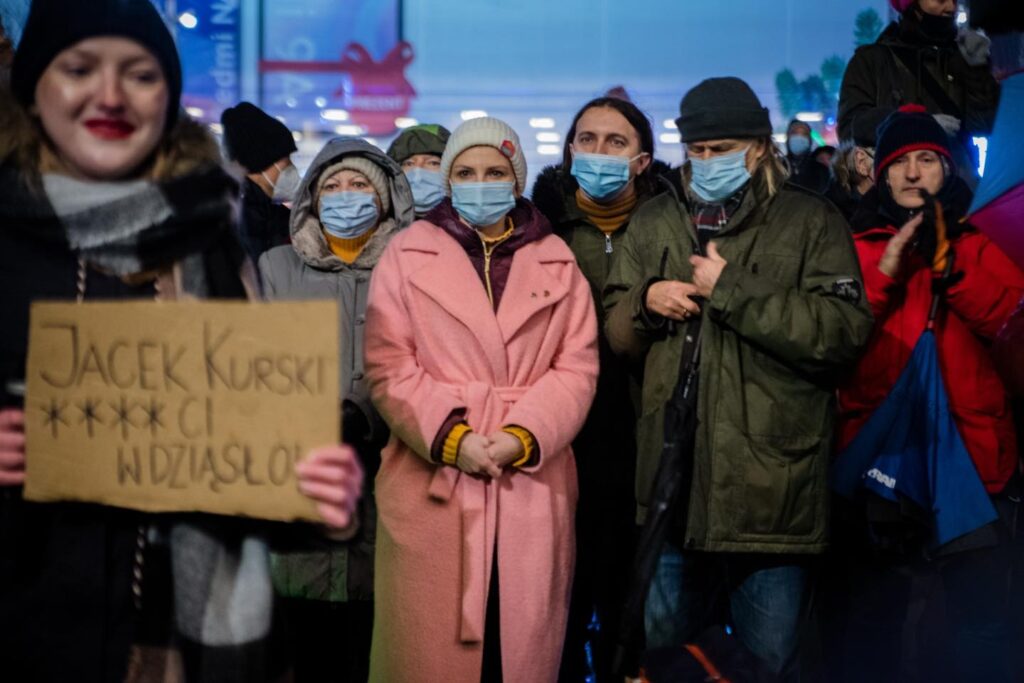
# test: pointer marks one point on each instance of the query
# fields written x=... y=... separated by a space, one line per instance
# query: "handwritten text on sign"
x=180 y=406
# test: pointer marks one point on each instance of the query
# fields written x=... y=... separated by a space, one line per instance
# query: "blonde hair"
x=844 y=165
x=771 y=165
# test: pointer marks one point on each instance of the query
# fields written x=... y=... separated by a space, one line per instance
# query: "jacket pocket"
x=780 y=485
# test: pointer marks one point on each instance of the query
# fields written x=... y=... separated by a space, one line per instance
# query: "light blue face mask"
x=601 y=175
x=720 y=177
x=348 y=214
x=427 y=188
x=799 y=145
x=483 y=204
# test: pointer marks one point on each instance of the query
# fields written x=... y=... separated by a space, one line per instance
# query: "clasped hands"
x=488 y=455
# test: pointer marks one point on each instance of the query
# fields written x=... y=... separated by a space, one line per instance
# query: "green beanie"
x=426 y=138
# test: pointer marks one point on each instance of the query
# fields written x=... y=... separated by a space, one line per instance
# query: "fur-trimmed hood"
x=307 y=233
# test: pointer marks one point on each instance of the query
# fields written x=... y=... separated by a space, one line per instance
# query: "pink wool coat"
x=434 y=345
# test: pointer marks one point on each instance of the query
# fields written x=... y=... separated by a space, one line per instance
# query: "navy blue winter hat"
x=722 y=108
x=55 y=25
x=908 y=129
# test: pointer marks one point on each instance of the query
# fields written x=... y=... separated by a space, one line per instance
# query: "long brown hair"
x=646 y=183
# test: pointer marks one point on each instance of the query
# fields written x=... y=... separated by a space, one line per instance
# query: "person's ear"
x=643 y=162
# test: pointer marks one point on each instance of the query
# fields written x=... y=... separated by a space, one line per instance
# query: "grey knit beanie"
x=485 y=132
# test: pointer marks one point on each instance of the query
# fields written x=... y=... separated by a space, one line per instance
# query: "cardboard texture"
x=184 y=406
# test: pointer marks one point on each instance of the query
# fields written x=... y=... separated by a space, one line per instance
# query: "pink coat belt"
x=486 y=405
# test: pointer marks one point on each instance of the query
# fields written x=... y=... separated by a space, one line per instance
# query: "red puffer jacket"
x=1008 y=352
x=973 y=311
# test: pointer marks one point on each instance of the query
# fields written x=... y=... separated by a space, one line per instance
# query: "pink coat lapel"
x=467 y=302
x=530 y=286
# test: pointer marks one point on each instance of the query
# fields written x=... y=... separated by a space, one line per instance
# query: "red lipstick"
x=110 y=129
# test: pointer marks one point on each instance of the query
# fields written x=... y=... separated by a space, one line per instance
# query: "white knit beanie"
x=485 y=132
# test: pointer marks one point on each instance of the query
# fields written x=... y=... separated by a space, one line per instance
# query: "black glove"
x=926 y=239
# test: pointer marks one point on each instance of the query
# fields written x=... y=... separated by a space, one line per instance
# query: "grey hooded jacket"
x=306 y=269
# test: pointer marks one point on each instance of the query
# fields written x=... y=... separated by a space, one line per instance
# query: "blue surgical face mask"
x=719 y=177
x=288 y=181
x=799 y=144
x=348 y=214
x=483 y=204
x=427 y=188
x=601 y=175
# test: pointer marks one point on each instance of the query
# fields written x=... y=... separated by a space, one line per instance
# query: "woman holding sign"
x=107 y=191
x=353 y=200
x=481 y=353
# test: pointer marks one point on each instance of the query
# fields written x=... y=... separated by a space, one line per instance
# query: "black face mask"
x=936 y=29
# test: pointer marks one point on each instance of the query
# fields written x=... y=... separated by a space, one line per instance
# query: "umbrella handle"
x=937 y=292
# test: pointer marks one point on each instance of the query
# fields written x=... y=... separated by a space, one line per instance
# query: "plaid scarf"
x=710 y=217
x=125 y=228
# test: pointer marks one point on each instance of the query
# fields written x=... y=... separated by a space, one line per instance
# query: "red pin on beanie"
x=908 y=129
x=901 y=5
x=489 y=132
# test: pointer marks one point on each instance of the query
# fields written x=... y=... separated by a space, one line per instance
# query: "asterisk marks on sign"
x=89 y=408
x=54 y=415
x=153 y=411
x=122 y=416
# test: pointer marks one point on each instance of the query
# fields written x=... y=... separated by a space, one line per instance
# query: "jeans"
x=765 y=595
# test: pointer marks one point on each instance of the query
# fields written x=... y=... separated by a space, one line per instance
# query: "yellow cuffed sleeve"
x=450 y=450
x=525 y=438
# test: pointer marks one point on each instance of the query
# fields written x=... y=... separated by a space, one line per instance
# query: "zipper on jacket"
x=488 y=250
x=489 y=245
x=607 y=243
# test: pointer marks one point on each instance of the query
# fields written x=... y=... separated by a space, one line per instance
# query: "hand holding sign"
x=12 y=447
x=333 y=478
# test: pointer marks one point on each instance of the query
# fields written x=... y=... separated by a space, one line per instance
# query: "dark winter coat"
x=876 y=78
x=784 y=318
x=264 y=223
x=314 y=567
x=845 y=200
x=606 y=446
x=809 y=173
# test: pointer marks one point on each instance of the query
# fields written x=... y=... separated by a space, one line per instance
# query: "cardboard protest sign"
x=185 y=406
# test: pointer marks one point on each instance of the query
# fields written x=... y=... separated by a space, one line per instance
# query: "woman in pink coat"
x=481 y=356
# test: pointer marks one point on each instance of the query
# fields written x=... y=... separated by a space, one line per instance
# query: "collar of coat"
x=447 y=276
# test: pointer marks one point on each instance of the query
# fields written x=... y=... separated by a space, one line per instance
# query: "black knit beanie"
x=253 y=138
x=426 y=138
x=908 y=129
x=55 y=25
x=722 y=108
